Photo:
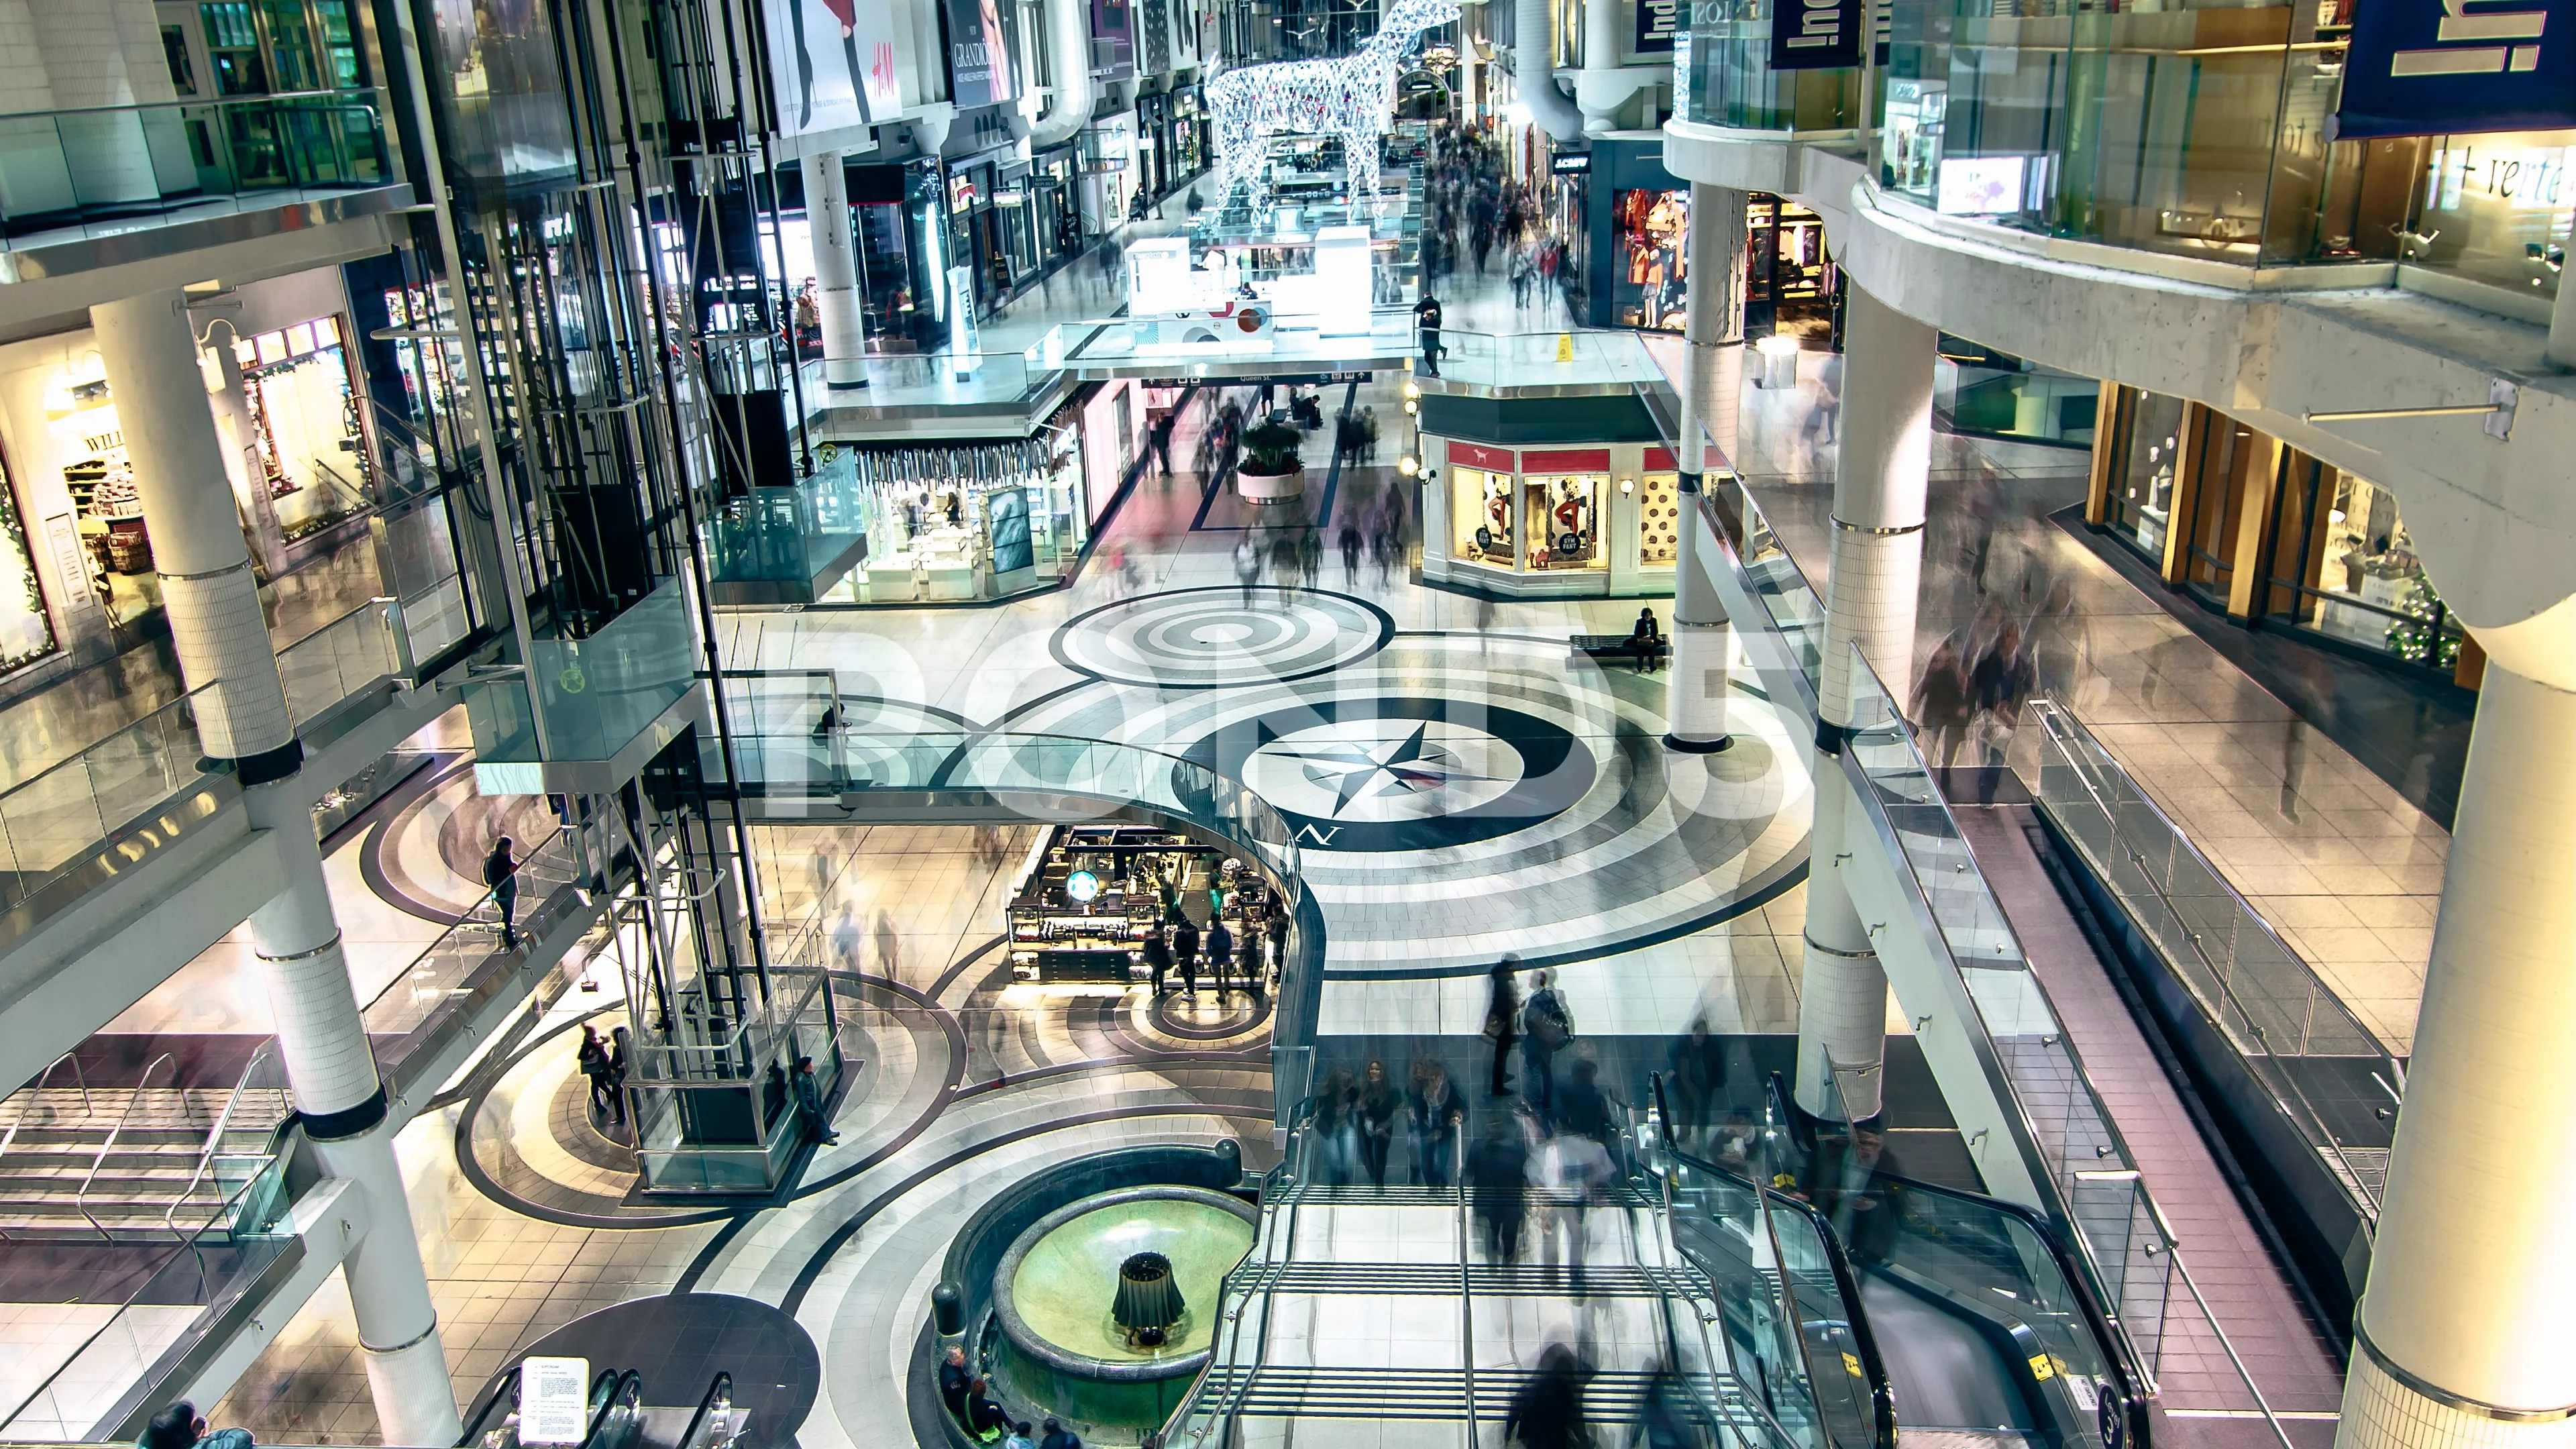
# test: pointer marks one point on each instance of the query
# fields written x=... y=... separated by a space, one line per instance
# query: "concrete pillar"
x=836 y=273
x=222 y=640
x=2461 y=1333
x=2561 y=347
x=1712 y=384
x=1875 y=569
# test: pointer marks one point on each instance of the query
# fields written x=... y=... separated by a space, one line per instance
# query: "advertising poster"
x=834 y=61
x=2428 y=67
x=979 y=54
x=1113 y=37
x=1006 y=519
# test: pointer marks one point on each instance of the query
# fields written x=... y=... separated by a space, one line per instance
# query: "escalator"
x=619 y=1417
x=1874 y=1303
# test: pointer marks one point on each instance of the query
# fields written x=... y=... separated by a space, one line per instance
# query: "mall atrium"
x=1230 y=724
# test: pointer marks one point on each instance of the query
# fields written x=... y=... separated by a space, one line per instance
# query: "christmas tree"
x=2416 y=634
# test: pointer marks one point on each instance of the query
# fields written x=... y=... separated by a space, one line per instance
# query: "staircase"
x=130 y=1164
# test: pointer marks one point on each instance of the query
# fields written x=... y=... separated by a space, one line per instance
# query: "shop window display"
x=2142 y=498
x=305 y=434
x=26 y=632
x=1563 y=521
x=1659 y=515
x=962 y=523
x=109 y=511
x=2363 y=583
x=1649 y=288
x=1481 y=507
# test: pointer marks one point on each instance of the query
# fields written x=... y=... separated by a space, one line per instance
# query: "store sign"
x=2424 y=67
x=979 y=54
x=1657 y=22
x=1477 y=455
x=1815 y=34
x=1570 y=163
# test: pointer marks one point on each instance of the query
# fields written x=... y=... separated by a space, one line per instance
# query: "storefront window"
x=2343 y=566
x=1564 y=521
x=1648 y=289
x=2141 y=503
x=1659 y=516
x=1480 y=506
x=981 y=521
x=2496 y=209
x=305 y=437
x=81 y=417
x=26 y=631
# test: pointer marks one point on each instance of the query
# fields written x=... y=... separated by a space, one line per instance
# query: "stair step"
x=1483 y=1280
x=1613 y=1397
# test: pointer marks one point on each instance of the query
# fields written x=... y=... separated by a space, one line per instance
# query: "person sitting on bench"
x=1646 y=641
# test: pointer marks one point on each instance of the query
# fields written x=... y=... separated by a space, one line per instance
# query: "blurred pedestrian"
x=1502 y=1015
x=1185 y=954
x=1220 y=952
x=1350 y=542
x=889 y=944
x=1158 y=956
x=1433 y=1113
x=1247 y=566
x=1942 y=705
x=1697 y=1081
x=1498 y=1185
x=1547 y=1410
x=1581 y=1106
x=1336 y=1126
x=1378 y=1104
x=501 y=877
x=1546 y=1026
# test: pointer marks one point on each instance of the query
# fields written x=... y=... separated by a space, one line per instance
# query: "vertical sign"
x=554 y=1400
x=962 y=341
x=2418 y=67
x=1657 y=22
x=71 y=564
x=1817 y=34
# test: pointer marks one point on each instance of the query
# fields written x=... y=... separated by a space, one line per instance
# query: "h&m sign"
x=2421 y=67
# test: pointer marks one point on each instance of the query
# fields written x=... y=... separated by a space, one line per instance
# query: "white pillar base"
x=415 y=1402
x=2379 y=1412
x=1696 y=705
x=1842 y=989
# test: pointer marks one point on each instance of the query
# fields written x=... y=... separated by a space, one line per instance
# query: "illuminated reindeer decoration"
x=1350 y=96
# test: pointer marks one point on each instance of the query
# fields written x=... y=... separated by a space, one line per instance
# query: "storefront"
x=1648 y=288
x=969 y=522
x=1056 y=204
x=287 y=413
x=1188 y=132
x=1108 y=171
x=1015 y=220
x=1791 y=287
x=975 y=230
x=2267 y=534
x=1551 y=522
x=1154 y=170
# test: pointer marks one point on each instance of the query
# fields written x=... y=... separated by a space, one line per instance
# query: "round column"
x=1874 y=572
x=1711 y=403
x=207 y=588
x=2462 y=1335
x=836 y=273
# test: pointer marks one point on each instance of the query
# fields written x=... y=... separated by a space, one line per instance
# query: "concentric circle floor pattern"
x=1212 y=638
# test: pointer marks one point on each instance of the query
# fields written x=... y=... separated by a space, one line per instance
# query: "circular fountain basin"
x=1054 y=1288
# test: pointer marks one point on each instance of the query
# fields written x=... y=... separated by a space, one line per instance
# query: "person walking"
x=1502 y=1014
x=1546 y=1026
x=1350 y=541
x=620 y=1054
x=1247 y=566
x=1158 y=956
x=593 y=1061
x=1498 y=1185
x=1378 y=1104
x=501 y=877
x=1426 y=320
x=1220 y=952
x=808 y=1091
x=1185 y=954
x=1547 y=1409
x=1433 y=1113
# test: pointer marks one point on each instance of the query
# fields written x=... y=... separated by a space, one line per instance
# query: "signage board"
x=979 y=54
x=1815 y=34
x=1570 y=163
x=1657 y=22
x=2426 y=67
x=554 y=1400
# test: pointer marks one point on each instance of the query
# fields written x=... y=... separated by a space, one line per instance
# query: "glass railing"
x=1245 y=1298
x=1793 y=1339
x=342 y=657
x=598 y=694
x=55 y=822
x=435 y=998
x=1119 y=341
x=790 y=534
x=2330 y=1075
x=125 y=1361
x=100 y=171
x=1723 y=77
x=1520 y=359
x=1759 y=581
x=2065 y=1132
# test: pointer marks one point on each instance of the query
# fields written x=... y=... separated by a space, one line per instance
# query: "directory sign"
x=2425 y=67
x=554 y=1400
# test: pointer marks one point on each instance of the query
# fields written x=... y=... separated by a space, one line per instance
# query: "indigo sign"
x=1820 y=34
x=2421 y=67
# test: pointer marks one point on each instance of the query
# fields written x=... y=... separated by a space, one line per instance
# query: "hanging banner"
x=2422 y=67
x=1815 y=34
x=1657 y=22
x=979 y=54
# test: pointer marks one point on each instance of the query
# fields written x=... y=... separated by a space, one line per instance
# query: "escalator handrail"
x=721 y=1384
x=2115 y=1345
x=622 y=1388
x=489 y=1400
x=1882 y=1397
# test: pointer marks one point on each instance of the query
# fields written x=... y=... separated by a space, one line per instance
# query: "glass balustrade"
x=101 y=170
x=1723 y=77
x=342 y=657
x=54 y=822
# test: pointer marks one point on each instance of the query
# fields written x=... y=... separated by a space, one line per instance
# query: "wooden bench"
x=1614 y=646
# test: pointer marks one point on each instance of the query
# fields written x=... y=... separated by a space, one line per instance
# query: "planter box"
x=1270 y=487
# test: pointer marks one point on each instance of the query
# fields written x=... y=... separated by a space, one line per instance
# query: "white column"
x=2561 y=347
x=222 y=639
x=836 y=273
x=1712 y=384
x=2463 y=1338
x=1875 y=568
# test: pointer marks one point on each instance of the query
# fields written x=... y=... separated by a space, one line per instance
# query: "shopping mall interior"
x=728 y=724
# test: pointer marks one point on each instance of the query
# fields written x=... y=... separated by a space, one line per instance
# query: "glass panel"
x=1480 y=516
x=1564 y=521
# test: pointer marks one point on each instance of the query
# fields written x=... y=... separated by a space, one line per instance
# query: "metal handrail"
x=189 y=1245
x=80 y=1200
x=35 y=1093
x=1282 y=1181
x=2223 y=1342
x=215 y=1134
x=1466 y=1294
x=2052 y=717
x=722 y=1385
x=339 y=93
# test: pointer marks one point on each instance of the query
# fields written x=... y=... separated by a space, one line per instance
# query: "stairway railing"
x=265 y=1051
x=80 y=1200
x=34 y=1092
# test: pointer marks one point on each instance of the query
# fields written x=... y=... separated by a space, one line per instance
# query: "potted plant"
x=1270 y=472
